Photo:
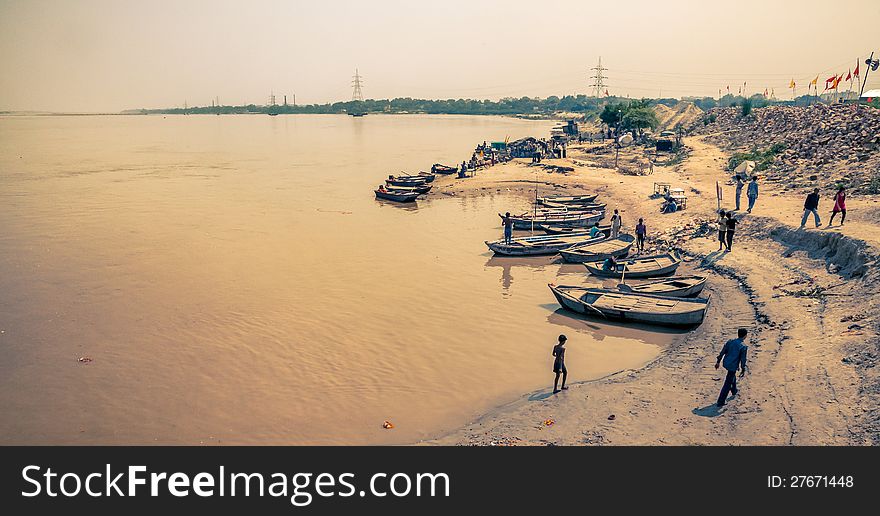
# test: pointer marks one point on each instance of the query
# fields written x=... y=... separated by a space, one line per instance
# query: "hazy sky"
x=105 y=55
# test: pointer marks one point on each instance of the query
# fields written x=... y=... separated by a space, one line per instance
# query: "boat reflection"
x=602 y=328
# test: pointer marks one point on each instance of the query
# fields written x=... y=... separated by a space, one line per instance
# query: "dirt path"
x=813 y=333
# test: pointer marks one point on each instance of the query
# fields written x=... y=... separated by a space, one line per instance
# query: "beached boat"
x=581 y=206
x=422 y=189
x=397 y=196
x=579 y=219
x=539 y=245
x=639 y=267
x=551 y=229
x=568 y=199
x=393 y=181
x=594 y=251
x=437 y=168
x=623 y=306
x=675 y=286
x=421 y=176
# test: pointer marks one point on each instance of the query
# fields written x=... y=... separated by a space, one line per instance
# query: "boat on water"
x=675 y=286
x=568 y=199
x=638 y=267
x=552 y=229
x=421 y=176
x=394 y=181
x=422 y=189
x=358 y=113
x=625 y=306
x=391 y=195
x=539 y=245
x=438 y=168
x=579 y=219
x=594 y=251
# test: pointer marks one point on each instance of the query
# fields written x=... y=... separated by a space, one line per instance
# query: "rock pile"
x=825 y=144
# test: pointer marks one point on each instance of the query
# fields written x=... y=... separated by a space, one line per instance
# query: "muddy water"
x=233 y=280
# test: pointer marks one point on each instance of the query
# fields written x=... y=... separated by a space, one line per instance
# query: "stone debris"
x=823 y=143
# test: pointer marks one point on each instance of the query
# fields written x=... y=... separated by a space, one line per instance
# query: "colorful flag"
x=856 y=73
x=765 y=92
x=792 y=84
x=837 y=81
x=849 y=75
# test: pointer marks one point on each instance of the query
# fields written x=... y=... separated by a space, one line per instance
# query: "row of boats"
x=408 y=188
x=661 y=299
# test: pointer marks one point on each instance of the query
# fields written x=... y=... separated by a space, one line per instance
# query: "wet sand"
x=810 y=379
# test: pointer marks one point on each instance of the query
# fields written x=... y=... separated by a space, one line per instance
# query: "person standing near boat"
x=641 y=232
x=508 y=226
x=811 y=205
x=559 y=364
x=839 y=206
x=752 y=193
x=739 y=189
x=615 y=224
x=734 y=355
x=722 y=230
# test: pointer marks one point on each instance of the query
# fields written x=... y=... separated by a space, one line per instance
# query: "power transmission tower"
x=599 y=80
x=358 y=94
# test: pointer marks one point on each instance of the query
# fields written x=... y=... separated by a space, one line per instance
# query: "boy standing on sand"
x=734 y=355
x=641 y=231
x=559 y=364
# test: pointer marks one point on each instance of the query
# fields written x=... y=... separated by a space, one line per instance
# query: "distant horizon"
x=103 y=56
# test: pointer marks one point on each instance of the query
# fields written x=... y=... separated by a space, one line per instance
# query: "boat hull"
x=537 y=246
x=443 y=169
x=693 y=315
x=397 y=197
x=595 y=268
x=573 y=221
x=689 y=290
x=583 y=254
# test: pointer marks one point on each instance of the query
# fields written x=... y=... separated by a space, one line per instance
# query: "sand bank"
x=809 y=299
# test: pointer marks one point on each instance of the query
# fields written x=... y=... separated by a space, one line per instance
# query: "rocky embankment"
x=823 y=144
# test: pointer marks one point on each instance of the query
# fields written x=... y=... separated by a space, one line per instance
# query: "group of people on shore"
x=811 y=206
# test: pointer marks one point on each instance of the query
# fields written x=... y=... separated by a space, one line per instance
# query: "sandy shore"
x=808 y=297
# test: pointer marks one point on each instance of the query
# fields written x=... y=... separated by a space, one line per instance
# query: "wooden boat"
x=422 y=189
x=581 y=206
x=623 y=306
x=676 y=286
x=437 y=168
x=551 y=229
x=568 y=199
x=393 y=181
x=579 y=219
x=539 y=245
x=421 y=176
x=638 y=267
x=593 y=251
x=397 y=196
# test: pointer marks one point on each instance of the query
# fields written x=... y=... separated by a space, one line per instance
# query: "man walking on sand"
x=811 y=205
x=559 y=364
x=734 y=355
x=752 y=193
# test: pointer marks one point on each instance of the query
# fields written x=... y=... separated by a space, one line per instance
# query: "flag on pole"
x=849 y=75
x=765 y=92
x=837 y=81
x=792 y=84
x=856 y=73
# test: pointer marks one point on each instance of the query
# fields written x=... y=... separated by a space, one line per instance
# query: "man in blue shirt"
x=752 y=193
x=734 y=355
